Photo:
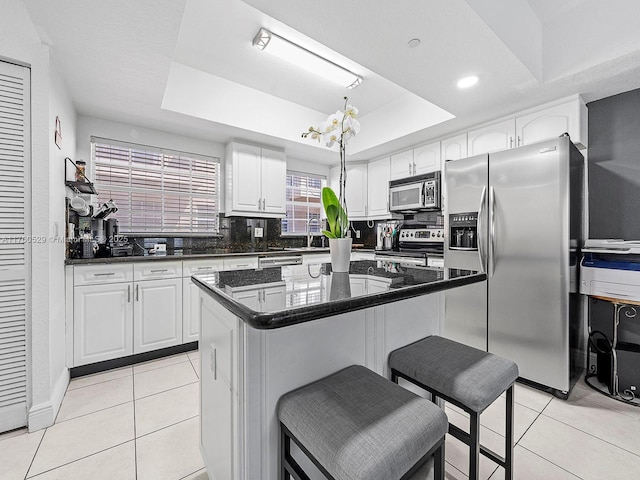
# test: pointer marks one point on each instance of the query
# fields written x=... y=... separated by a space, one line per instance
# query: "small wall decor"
x=58 y=134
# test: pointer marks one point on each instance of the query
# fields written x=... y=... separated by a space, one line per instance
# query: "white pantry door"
x=15 y=159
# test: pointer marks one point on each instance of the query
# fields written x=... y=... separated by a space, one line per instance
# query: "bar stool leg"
x=285 y=450
x=439 y=463
x=508 y=456
x=474 y=446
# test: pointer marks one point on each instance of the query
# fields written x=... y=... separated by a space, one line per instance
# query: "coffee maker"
x=118 y=244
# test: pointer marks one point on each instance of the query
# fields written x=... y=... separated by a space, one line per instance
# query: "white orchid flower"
x=351 y=125
x=351 y=111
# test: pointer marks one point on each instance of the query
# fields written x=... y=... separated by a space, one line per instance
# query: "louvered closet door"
x=14 y=251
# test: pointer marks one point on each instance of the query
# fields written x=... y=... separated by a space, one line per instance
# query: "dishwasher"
x=279 y=261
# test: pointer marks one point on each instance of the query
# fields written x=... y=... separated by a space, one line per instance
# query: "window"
x=303 y=203
x=157 y=190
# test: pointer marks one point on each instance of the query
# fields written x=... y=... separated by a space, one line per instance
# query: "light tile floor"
x=141 y=422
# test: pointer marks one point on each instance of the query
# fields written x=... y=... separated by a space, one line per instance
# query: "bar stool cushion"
x=359 y=425
x=465 y=374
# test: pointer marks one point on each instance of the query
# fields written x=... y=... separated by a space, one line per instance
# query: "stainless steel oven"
x=417 y=244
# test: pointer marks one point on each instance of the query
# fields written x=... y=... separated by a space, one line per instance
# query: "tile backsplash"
x=238 y=234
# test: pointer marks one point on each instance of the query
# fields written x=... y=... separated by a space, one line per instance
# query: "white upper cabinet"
x=426 y=159
x=570 y=117
x=255 y=181
x=454 y=148
x=402 y=165
x=274 y=180
x=378 y=188
x=495 y=137
x=356 y=189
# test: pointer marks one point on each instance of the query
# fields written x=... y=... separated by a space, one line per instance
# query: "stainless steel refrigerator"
x=517 y=215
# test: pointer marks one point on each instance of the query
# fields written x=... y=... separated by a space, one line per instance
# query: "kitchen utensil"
x=81 y=206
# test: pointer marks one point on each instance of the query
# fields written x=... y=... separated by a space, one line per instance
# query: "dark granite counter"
x=213 y=253
x=309 y=292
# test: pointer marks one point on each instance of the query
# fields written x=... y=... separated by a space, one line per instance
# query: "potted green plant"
x=337 y=130
x=338 y=227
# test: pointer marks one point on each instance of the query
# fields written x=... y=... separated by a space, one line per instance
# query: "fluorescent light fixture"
x=283 y=48
x=467 y=82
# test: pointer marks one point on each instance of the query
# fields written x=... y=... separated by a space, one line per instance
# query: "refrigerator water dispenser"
x=463 y=231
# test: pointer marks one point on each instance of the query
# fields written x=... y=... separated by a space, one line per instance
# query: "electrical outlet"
x=357 y=233
x=258 y=232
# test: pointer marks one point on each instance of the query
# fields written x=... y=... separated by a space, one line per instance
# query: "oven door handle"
x=480 y=235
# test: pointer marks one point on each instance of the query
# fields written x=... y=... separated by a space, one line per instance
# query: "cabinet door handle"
x=137 y=296
x=414 y=168
x=103 y=274
x=204 y=268
x=510 y=142
x=160 y=271
x=128 y=293
x=519 y=140
x=214 y=362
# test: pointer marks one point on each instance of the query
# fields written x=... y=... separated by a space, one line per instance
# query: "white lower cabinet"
x=262 y=298
x=103 y=327
x=113 y=319
x=245 y=371
x=218 y=386
x=157 y=314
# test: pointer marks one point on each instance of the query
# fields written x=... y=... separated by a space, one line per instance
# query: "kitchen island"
x=267 y=331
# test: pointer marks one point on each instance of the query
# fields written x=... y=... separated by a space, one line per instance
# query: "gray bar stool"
x=468 y=378
x=357 y=425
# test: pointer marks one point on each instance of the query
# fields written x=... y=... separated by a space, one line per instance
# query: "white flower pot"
x=340 y=249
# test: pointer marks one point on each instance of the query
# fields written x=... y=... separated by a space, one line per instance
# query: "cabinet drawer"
x=240 y=263
x=157 y=270
x=97 y=274
x=193 y=267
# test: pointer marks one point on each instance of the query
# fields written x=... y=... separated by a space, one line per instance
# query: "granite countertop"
x=213 y=253
x=313 y=291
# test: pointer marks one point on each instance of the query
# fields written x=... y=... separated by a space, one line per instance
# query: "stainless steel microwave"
x=417 y=193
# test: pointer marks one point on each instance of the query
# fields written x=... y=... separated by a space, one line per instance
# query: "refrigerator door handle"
x=480 y=234
x=492 y=232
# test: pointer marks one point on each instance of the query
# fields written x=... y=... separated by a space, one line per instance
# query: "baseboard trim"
x=44 y=415
x=131 y=359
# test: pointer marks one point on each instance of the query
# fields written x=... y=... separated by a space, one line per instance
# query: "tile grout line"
x=78 y=459
x=26 y=474
x=548 y=460
x=168 y=426
x=592 y=435
x=156 y=368
x=135 y=431
x=97 y=383
x=164 y=391
x=91 y=413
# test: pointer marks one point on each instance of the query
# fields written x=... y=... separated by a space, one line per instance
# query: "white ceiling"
x=187 y=66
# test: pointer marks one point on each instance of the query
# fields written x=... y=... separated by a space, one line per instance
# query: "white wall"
x=59 y=106
x=304 y=166
x=19 y=42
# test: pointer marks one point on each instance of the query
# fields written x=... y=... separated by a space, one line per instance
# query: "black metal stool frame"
x=289 y=468
x=472 y=439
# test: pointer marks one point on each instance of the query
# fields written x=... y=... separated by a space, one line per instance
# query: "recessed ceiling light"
x=413 y=43
x=312 y=62
x=467 y=82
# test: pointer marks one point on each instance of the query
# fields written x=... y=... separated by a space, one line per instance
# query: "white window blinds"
x=157 y=190
x=303 y=202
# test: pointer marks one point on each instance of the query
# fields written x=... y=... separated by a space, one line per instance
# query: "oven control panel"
x=421 y=235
